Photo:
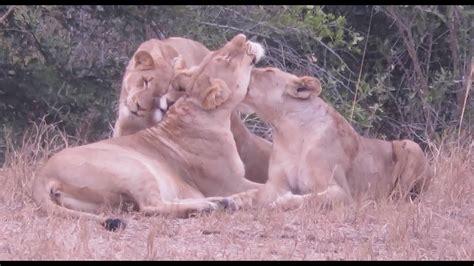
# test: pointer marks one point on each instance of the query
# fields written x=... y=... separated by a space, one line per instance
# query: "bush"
x=393 y=71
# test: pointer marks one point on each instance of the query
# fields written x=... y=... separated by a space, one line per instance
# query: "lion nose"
x=242 y=37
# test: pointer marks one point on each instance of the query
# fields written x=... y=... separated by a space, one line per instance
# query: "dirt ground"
x=438 y=227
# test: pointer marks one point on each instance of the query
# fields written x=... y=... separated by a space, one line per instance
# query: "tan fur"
x=179 y=166
x=154 y=61
x=147 y=77
x=317 y=152
x=253 y=150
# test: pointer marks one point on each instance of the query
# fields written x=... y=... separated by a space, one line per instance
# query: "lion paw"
x=113 y=224
x=226 y=203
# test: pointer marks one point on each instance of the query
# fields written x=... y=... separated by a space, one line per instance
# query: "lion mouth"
x=256 y=50
x=137 y=113
x=158 y=115
x=163 y=104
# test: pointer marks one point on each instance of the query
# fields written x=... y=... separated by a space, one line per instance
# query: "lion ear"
x=143 y=60
x=168 y=52
x=182 y=76
x=215 y=95
x=178 y=63
x=304 y=88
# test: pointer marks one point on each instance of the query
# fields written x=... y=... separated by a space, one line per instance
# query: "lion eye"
x=301 y=89
x=226 y=58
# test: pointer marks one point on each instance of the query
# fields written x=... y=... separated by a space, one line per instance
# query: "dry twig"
x=4 y=17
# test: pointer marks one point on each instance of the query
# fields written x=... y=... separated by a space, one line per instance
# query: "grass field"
x=438 y=227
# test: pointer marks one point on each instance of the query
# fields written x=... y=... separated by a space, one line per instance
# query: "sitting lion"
x=176 y=167
x=148 y=77
x=317 y=152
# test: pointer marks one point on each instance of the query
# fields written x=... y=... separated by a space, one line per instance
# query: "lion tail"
x=45 y=193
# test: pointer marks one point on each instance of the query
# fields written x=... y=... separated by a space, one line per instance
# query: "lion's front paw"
x=209 y=207
x=226 y=203
x=205 y=207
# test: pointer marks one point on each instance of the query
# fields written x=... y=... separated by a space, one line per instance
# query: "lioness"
x=315 y=150
x=148 y=77
x=169 y=168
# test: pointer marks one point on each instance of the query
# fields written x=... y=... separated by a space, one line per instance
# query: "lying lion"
x=317 y=152
x=148 y=77
x=171 y=168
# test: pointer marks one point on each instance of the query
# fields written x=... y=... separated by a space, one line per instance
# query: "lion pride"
x=176 y=167
x=148 y=77
x=317 y=152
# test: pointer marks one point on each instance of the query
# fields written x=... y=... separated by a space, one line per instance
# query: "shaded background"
x=393 y=71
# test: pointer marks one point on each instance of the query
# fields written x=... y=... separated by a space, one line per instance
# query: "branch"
x=409 y=42
x=10 y=10
x=36 y=42
x=278 y=31
x=453 y=26
x=43 y=52
x=361 y=64
x=322 y=44
x=258 y=23
x=234 y=29
x=468 y=84
x=421 y=79
x=468 y=79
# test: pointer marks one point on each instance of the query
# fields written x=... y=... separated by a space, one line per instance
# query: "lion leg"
x=289 y=201
x=253 y=150
x=180 y=209
x=117 y=129
x=121 y=121
x=332 y=178
x=334 y=194
x=245 y=184
x=262 y=196
x=48 y=196
x=242 y=200
x=151 y=203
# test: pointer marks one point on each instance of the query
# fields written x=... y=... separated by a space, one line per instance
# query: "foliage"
x=393 y=71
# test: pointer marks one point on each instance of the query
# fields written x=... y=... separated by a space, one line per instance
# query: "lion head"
x=222 y=79
x=145 y=82
x=272 y=92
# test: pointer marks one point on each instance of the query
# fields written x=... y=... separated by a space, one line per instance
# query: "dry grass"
x=439 y=227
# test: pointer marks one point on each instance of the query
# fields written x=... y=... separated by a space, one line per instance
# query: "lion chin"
x=157 y=115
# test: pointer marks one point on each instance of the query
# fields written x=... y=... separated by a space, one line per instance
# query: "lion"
x=317 y=153
x=148 y=77
x=183 y=165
